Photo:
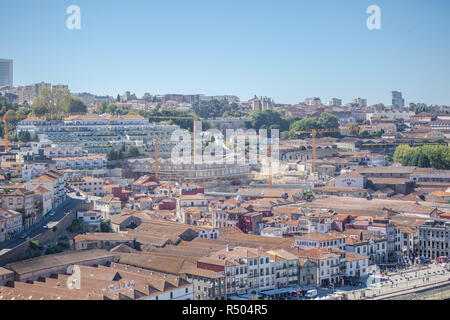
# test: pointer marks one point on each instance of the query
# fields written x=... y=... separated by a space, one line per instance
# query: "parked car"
x=442 y=259
x=311 y=294
x=52 y=213
x=23 y=236
x=424 y=260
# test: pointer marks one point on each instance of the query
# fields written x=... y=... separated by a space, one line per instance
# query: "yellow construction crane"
x=270 y=166
x=156 y=158
x=314 y=133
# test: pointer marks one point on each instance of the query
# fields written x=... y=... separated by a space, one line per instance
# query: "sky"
x=285 y=49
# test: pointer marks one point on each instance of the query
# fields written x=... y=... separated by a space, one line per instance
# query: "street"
x=404 y=281
x=68 y=205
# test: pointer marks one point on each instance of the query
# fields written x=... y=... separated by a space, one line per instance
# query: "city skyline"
x=239 y=49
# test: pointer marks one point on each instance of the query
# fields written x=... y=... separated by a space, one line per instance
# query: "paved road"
x=68 y=205
x=439 y=293
x=406 y=282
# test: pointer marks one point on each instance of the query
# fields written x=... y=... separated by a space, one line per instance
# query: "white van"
x=311 y=294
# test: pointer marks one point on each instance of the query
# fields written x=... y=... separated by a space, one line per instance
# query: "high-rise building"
x=362 y=103
x=313 y=101
x=335 y=102
x=6 y=73
x=397 y=99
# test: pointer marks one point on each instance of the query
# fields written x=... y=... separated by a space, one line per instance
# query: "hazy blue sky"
x=286 y=49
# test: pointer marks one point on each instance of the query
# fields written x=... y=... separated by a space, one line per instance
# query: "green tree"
x=134 y=152
x=328 y=121
x=267 y=118
x=147 y=97
x=71 y=105
x=115 y=155
x=105 y=226
x=24 y=136
x=401 y=152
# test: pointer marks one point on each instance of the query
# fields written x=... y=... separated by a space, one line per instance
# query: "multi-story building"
x=6 y=73
x=286 y=268
x=409 y=241
x=308 y=273
x=54 y=181
x=397 y=100
x=373 y=245
x=320 y=240
x=208 y=284
x=33 y=170
x=98 y=134
x=91 y=221
x=199 y=201
x=356 y=265
x=91 y=162
x=108 y=205
x=92 y=186
x=25 y=94
x=251 y=270
x=44 y=201
x=190 y=172
x=362 y=103
x=20 y=200
x=328 y=262
x=434 y=239
x=10 y=224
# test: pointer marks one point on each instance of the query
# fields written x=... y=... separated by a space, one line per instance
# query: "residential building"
x=20 y=200
x=320 y=240
x=397 y=100
x=108 y=205
x=11 y=224
x=6 y=73
x=91 y=162
x=44 y=200
x=89 y=185
x=356 y=265
x=434 y=239
x=328 y=262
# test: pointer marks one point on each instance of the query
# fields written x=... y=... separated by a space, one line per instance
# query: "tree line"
x=431 y=156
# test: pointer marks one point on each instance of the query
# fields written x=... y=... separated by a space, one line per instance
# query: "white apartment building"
x=190 y=201
x=91 y=162
x=251 y=270
x=54 y=181
x=356 y=265
x=108 y=205
x=91 y=219
x=63 y=152
x=88 y=185
x=33 y=170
